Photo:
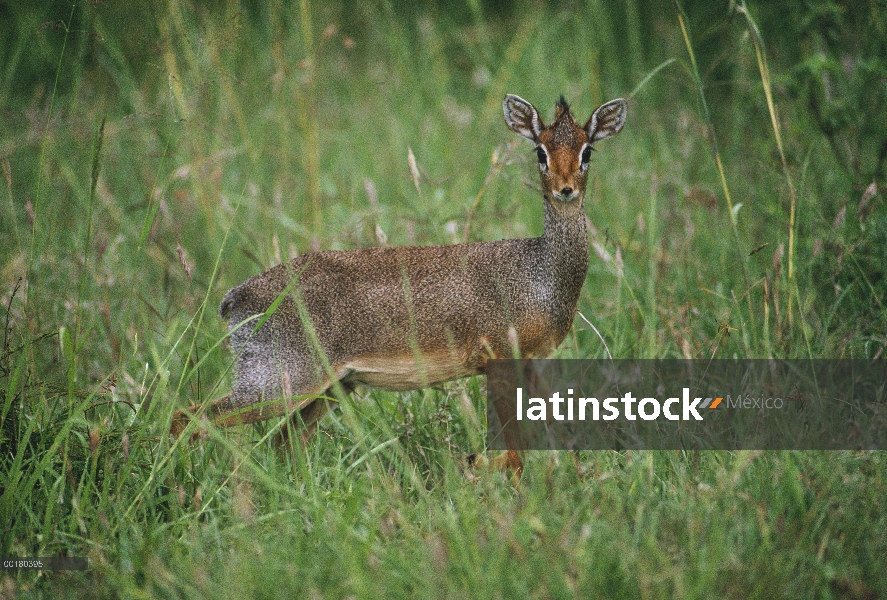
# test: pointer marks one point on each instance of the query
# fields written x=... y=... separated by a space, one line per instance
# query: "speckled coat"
x=403 y=318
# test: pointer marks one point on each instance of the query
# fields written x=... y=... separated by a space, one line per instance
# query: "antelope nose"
x=567 y=191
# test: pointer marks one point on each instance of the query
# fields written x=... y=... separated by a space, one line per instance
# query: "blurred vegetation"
x=156 y=154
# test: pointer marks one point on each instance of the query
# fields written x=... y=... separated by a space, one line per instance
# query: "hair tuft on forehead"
x=562 y=108
x=563 y=111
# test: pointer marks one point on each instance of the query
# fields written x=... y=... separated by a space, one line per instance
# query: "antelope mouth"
x=568 y=197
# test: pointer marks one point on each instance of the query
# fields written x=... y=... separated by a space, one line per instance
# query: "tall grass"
x=155 y=156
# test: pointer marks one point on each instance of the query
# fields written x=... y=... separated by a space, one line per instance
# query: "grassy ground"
x=155 y=157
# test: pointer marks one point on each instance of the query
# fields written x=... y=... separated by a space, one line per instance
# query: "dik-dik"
x=414 y=316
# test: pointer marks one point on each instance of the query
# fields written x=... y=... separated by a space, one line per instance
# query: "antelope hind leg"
x=223 y=413
x=304 y=422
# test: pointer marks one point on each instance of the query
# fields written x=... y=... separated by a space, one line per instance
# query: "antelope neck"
x=564 y=244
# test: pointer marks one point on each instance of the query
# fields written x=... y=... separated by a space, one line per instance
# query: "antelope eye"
x=540 y=154
x=586 y=155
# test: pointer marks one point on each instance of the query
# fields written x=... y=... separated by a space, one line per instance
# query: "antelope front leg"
x=508 y=461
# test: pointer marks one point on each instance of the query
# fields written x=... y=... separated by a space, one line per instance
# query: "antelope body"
x=403 y=318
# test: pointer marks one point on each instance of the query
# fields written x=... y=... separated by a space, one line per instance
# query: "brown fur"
x=409 y=317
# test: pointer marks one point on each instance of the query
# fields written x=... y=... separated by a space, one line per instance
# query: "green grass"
x=154 y=158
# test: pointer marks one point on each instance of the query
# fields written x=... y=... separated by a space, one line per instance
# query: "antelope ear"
x=606 y=121
x=522 y=117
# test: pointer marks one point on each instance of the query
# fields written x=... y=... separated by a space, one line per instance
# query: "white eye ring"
x=585 y=157
x=542 y=155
